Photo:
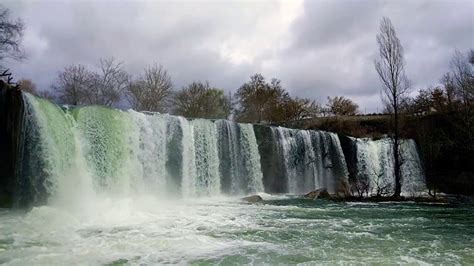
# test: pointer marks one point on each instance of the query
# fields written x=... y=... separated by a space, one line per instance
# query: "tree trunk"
x=396 y=154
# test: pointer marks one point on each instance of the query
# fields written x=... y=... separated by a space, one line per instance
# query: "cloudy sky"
x=317 y=48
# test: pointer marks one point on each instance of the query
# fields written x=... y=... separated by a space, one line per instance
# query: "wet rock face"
x=350 y=153
x=252 y=199
x=274 y=179
x=11 y=113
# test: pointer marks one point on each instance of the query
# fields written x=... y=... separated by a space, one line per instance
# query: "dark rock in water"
x=321 y=193
x=324 y=194
x=252 y=199
x=312 y=195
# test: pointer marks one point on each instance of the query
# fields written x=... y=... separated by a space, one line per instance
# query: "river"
x=223 y=230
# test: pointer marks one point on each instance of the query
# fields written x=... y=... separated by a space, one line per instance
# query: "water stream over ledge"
x=68 y=152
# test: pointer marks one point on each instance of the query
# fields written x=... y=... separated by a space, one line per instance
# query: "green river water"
x=225 y=231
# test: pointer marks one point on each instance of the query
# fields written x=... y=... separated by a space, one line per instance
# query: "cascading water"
x=252 y=165
x=47 y=131
x=311 y=159
x=152 y=151
x=375 y=166
x=240 y=161
x=124 y=152
x=207 y=158
x=77 y=150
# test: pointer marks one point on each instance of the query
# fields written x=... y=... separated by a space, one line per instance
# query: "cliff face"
x=350 y=153
x=11 y=113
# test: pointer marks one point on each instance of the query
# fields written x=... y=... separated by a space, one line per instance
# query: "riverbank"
x=447 y=199
x=322 y=194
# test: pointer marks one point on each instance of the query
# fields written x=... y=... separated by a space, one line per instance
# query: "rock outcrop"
x=252 y=199
x=321 y=193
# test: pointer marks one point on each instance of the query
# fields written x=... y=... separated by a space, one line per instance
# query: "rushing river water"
x=226 y=231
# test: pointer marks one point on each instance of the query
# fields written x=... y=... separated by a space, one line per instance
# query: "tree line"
x=256 y=101
x=445 y=132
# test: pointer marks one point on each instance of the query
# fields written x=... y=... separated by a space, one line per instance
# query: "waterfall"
x=69 y=152
x=207 y=158
x=311 y=159
x=375 y=166
x=251 y=159
x=93 y=149
x=413 y=177
x=152 y=150
x=48 y=145
x=240 y=160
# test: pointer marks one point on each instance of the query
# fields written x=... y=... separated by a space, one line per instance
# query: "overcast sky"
x=317 y=48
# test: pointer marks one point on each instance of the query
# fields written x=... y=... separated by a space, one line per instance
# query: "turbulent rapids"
x=67 y=151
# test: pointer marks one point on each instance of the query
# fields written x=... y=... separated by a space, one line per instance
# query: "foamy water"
x=143 y=230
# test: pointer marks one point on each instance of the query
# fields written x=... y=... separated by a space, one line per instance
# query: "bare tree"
x=463 y=78
x=449 y=88
x=462 y=85
x=390 y=68
x=27 y=85
x=360 y=186
x=78 y=85
x=187 y=100
x=151 y=91
x=380 y=186
x=286 y=109
x=300 y=108
x=260 y=100
x=429 y=100
x=11 y=34
x=251 y=107
x=72 y=85
x=340 y=105
x=199 y=99
x=109 y=84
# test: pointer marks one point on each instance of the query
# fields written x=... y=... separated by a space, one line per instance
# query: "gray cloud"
x=317 y=48
x=334 y=46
